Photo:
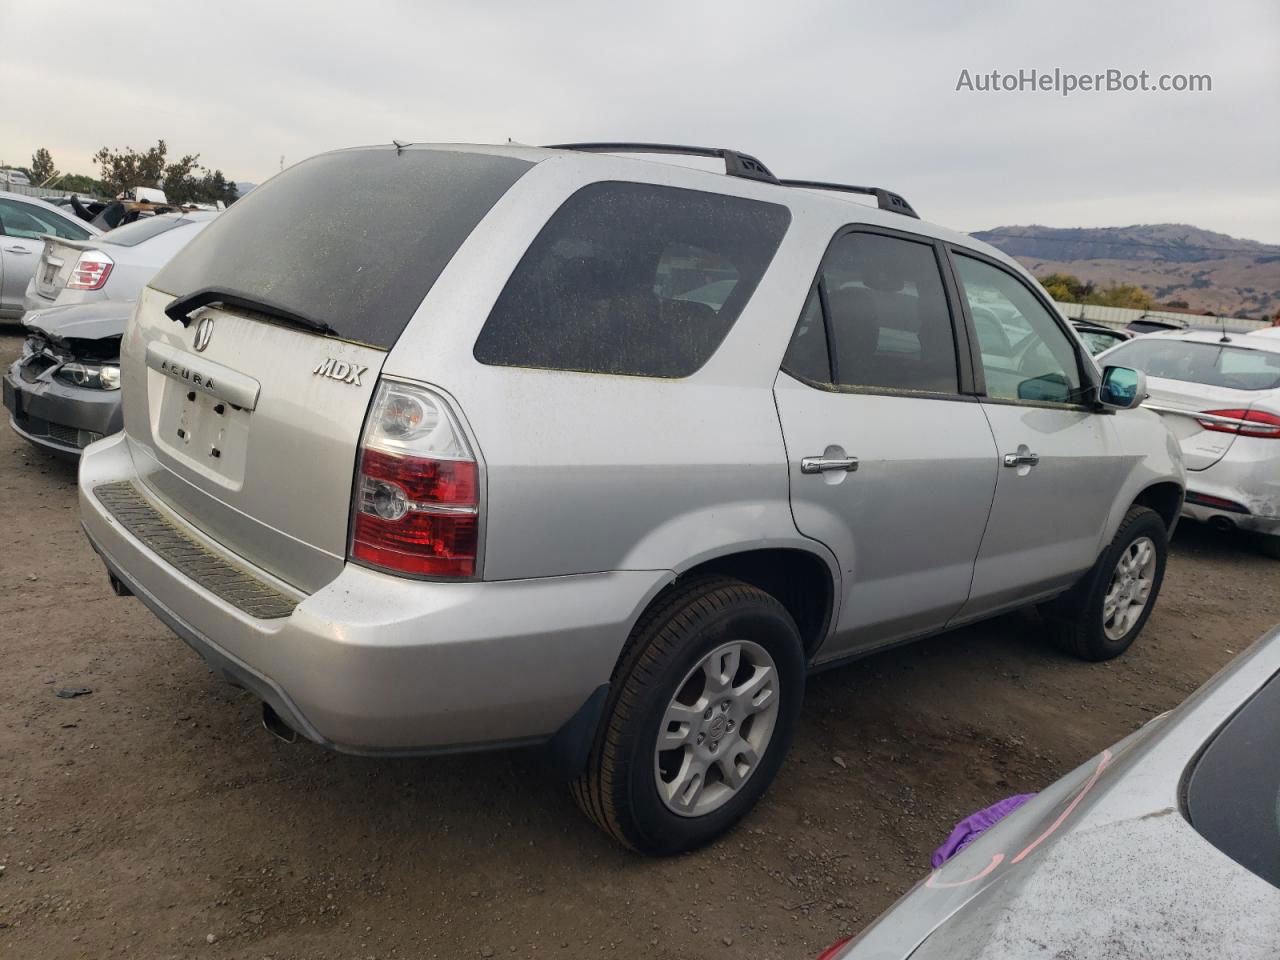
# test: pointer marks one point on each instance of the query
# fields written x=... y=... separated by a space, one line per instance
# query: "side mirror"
x=1123 y=388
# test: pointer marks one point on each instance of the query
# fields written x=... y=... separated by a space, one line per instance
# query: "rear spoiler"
x=90 y=244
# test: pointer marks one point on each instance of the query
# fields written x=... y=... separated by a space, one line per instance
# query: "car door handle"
x=1021 y=459
x=828 y=464
x=22 y=250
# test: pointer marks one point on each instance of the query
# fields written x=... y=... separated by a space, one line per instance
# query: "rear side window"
x=1233 y=792
x=888 y=317
x=353 y=239
x=633 y=279
x=132 y=234
x=30 y=222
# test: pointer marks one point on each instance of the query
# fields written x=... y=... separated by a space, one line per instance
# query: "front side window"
x=30 y=222
x=1025 y=354
x=887 y=312
x=632 y=279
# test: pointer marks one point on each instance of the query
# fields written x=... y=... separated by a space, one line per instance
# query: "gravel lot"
x=155 y=818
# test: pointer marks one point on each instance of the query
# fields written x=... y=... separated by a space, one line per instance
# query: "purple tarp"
x=972 y=826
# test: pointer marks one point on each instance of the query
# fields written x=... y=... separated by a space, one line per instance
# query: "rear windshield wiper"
x=182 y=308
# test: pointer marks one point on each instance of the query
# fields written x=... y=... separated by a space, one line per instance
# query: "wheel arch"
x=1165 y=498
x=801 y=580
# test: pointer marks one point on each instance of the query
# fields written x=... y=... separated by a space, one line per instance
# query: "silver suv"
x=512 y=445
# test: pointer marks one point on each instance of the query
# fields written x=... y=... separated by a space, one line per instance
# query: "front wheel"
x=701 y=712
x=1101 y=616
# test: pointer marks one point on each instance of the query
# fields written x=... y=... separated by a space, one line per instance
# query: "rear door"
x=1061 y=465
x=245 y=414
x=892 y=466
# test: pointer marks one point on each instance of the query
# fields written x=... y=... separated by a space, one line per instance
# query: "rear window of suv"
x=633 y=279
x=353 y=239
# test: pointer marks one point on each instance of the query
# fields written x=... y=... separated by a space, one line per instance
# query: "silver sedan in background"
x=24 y=222
x=115 y=265
x=1166 y=845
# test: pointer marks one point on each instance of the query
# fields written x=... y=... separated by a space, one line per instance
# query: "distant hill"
x=1173 y=261
x=243 y=187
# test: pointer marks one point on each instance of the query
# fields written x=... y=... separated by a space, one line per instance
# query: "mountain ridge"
x=1206 y=270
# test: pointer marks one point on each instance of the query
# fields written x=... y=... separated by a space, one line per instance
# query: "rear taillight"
x=416 y=509
x=91 y=271
x=1247 y=423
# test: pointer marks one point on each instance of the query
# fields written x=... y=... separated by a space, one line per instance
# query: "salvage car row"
x=614 y=453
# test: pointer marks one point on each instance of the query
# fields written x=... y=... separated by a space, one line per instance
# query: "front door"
x=1060 y=461
x=891 y=466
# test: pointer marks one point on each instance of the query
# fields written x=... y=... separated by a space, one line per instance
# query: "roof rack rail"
x=736 y=163
x=739 y=164
x=885 y=199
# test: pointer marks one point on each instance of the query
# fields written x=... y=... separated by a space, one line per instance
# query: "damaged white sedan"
x=1219 y=393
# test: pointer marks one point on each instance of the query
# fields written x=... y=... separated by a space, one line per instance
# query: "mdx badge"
x=340 y=370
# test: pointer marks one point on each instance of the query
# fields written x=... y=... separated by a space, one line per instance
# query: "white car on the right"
x=1219 y=394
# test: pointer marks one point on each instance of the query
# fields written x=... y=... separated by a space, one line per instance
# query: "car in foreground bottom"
x=1220 y=396
x=1166 y=845
x=63 y=391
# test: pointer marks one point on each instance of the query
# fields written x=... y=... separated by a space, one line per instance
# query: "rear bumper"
x=58 y=416
x=372 y=663
x=1248 y=477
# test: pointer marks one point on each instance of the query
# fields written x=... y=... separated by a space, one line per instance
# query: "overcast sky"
x=863 y=92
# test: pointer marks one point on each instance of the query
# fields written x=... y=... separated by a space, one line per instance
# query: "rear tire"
x=1101 y=616
x=1270 y=546
x=715 y=668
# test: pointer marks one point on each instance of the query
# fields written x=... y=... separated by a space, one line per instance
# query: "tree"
x=121 y=169
x=41 y=166
x=1069 y=289
x=183 y=179
x=1123 y=295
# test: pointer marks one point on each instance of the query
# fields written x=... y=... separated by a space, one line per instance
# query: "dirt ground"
x=155 y=818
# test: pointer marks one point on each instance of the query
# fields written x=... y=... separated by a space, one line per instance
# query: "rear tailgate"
x=244 y=439
x=1178 y=401
x=246 y=419
x=57 y=260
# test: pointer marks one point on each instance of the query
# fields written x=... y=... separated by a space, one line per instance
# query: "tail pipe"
x=276 y=726
x=1221 y=523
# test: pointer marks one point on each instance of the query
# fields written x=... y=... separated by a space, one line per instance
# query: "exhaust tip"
x=1222 y=524
x=276 y=726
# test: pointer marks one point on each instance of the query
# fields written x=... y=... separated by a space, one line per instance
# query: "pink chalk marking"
x=934 y=883
x=937 y=884
x=1103 y=761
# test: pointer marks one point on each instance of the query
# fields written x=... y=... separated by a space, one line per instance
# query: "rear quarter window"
x=1233 y=791
x=633 y=279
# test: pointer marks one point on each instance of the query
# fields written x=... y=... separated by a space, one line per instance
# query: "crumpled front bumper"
x=59 y=416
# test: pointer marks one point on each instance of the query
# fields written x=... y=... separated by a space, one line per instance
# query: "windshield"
x=353 y=239
x=132 y=234
x=1214 y=364
x=1242 y=763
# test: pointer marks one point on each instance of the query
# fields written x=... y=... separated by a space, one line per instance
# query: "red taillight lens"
x=831 y=951
x=91 y=271
x=417 y=505
x=1253 y=423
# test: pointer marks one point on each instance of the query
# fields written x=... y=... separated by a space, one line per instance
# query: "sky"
x=853 y=91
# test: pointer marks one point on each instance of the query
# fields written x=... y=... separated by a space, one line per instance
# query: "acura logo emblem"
x=204 y=332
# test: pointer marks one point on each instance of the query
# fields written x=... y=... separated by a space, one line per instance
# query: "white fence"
x=1122 y=316
x=33 y=191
